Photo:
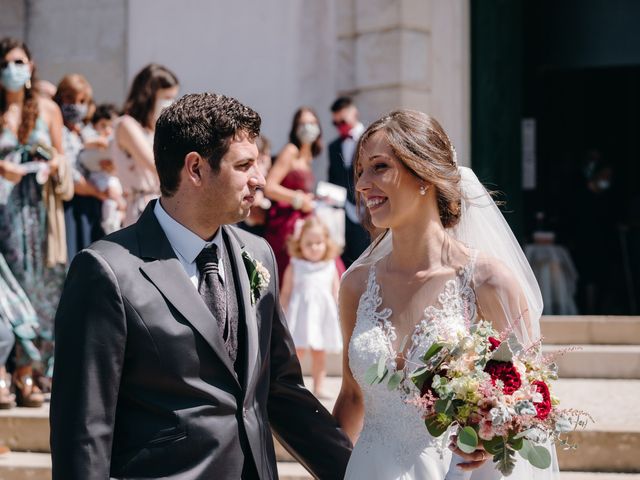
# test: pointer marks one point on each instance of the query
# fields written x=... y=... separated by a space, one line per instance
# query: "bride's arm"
x=349 y=407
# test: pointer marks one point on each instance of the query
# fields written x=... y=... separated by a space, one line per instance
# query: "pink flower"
x=485 y=432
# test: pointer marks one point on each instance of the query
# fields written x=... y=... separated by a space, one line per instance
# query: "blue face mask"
x=15 y=76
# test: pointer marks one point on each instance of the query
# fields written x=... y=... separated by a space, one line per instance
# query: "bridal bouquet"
x=494 y=390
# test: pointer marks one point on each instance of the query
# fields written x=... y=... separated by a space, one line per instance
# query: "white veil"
x=483 y=228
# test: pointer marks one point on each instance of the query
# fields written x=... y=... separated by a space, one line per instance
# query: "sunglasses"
x=337 y=123
x=5 y=63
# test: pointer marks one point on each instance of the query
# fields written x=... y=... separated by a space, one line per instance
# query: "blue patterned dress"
x=23 y=237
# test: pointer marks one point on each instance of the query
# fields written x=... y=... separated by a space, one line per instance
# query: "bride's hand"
x=471 y=460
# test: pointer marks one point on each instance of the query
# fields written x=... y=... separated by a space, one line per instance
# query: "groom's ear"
x=194 y=168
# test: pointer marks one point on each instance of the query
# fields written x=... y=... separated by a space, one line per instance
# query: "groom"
x=173 y=358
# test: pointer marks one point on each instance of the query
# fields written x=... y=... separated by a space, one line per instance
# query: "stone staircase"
x=602 y=377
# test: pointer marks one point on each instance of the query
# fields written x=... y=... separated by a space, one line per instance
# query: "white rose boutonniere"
x=259 y=276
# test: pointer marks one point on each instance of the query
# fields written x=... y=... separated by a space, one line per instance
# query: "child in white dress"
x=309 y=296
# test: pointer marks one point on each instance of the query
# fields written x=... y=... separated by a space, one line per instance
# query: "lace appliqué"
x=391 y=422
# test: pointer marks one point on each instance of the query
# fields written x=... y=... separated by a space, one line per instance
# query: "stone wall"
x=407 y=53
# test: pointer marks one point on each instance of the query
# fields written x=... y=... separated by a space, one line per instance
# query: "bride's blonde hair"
x=420 y=143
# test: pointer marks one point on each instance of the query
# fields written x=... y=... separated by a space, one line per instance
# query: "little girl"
x=309 y=296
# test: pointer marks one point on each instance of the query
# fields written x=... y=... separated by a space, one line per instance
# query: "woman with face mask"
x=290 y=182
x=82 y=214
x=153 y=89
x=33 y=183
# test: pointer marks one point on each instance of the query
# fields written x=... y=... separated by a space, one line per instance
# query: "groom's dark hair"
x=199 y=122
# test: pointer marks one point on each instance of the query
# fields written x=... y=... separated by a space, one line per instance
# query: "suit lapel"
x=165 y=271
x=244 y=296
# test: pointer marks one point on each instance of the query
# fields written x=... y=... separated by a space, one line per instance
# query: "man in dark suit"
x=341 y=155
x=173 y=357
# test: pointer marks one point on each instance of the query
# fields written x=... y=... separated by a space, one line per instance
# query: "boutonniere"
x=259 y=276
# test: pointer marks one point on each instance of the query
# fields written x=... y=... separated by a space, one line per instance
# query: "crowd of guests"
x=72 y=171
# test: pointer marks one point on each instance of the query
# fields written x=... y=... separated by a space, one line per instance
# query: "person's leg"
x=27 y=392
x=318 y=371
x=7 y=340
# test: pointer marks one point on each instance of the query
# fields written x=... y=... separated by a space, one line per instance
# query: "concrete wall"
x=76 y=36
x=387 y=53
x=12 y=18
x=272 y=59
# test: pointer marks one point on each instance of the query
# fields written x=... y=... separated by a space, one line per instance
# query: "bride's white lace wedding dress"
x=394 y=442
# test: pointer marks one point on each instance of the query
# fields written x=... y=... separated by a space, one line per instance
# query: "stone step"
x=591 y=330
x=25 y=429
x=608 y=445
x=598 y=361
x=37 y=466
x=25 y=466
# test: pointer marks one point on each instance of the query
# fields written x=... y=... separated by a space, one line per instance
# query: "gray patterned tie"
x=211 y=288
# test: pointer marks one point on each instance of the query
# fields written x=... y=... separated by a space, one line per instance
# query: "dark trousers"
x=356 y=241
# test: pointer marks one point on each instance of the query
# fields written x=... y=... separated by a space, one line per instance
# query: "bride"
x=447 y=258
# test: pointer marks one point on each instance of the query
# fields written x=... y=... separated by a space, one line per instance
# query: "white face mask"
x=308 y=132
x=161 y=104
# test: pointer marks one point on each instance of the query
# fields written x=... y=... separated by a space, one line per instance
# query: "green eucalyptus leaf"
x=516 y=443
x=384 y=375
x=394 y=381
x=371 y=375
x=494 y=445
x=467 y=440
x=433 y=350
x=382 y=365
x=539 y=457
x=419 y=371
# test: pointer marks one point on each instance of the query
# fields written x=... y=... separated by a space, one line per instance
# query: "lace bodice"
x=389 y=418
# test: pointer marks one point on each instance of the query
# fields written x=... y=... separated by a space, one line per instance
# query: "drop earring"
x=423 y=190
x=27 y=84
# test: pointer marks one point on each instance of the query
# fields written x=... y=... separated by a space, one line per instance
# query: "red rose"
x=544 y=407
x=505 y=372
x=495 y=343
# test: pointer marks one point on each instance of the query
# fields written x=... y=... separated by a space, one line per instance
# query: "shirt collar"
x=185 y=243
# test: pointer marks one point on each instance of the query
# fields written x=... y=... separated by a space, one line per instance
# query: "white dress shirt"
x=187 y=244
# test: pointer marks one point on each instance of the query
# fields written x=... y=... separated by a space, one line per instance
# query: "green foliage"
x=394 y=381
x=467 y=440
x=537 y=455
x=432 y=351
x=437 y=424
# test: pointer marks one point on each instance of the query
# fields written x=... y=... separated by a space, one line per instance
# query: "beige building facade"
x=274 y=56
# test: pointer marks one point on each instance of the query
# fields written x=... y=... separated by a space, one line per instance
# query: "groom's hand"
x=471 y=460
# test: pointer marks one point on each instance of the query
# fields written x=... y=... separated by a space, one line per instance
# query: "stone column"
x=407 y=53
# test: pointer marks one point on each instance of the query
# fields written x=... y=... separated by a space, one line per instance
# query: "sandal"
x=7 y=399
x=27 y=393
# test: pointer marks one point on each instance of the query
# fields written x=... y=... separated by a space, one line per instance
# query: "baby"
x=95 y=159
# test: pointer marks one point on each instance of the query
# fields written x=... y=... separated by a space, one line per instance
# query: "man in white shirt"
x=341 y=154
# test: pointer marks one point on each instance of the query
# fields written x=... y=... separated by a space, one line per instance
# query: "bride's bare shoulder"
x=354 y=282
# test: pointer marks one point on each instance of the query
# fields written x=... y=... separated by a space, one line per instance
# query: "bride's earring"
x=423 y=190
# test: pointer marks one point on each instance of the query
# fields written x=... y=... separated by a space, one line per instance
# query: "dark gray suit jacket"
x=143 y=386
